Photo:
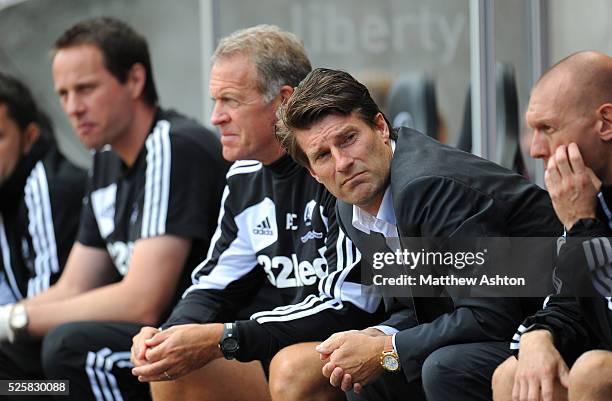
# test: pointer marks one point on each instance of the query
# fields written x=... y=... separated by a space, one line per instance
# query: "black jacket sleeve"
x=579 y=266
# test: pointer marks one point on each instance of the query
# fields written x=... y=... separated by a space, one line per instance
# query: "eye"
x=321 y=156
x=85 y=88
x=349 y=138
x=229 y=102
x=547 y=129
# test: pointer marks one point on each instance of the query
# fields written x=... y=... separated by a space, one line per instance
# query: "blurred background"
x=421 y=59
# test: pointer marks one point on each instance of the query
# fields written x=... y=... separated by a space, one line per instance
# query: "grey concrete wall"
x=28 y=29
x=579 y=25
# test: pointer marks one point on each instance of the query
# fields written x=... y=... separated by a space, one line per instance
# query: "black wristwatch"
x=229 y=341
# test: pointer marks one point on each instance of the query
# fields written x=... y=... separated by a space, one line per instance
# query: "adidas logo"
x=263 y=228
x=311 y=235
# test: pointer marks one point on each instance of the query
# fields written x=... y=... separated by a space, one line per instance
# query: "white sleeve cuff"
x=388 y=330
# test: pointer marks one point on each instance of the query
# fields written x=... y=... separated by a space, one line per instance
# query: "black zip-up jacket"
x=39 y=218
x=579 y=316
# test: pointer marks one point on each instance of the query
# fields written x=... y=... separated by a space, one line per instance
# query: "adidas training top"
x=39 y=218
x=173 y=187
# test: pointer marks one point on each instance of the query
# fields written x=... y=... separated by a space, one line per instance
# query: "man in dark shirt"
x=40 y=195
x=570 y=112
x=149 y=213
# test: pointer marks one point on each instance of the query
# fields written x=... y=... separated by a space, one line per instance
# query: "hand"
x=354 y=358
x=138 y=345
x=6 y=334
x=573 y=187
x=179 y=350
x=539 y=368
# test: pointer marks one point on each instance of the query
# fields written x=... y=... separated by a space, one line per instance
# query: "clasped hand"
x=169 y=354
x=353 y=358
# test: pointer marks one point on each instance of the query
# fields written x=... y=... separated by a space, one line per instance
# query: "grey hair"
x=279 y=56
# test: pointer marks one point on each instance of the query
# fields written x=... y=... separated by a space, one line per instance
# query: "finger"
x=152 y=372
x=327 y=369
x=328 y=346
x=516 y=390
x=562 y=161
x=141 y=348
x=347 y=382
x=575 y=158
x=551 y=174
x=533 y=393
x=524 y=390
x=134 y=353
x=548 y=385
x=336 y=377
x=324 y=357
x=157 y=339
x=149 y=379
x=594 y=179
x=154 y=354
x=357 y=388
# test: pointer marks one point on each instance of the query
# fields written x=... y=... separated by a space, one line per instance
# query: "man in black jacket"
x=570 y=112
x=404 y=184
x=40 y=195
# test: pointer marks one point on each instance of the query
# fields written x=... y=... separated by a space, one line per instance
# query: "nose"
x=73 y=105
x=539 y=147
x=218 y=116
x=344 y=161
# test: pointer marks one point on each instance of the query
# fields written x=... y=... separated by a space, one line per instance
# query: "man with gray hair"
x=277 y=243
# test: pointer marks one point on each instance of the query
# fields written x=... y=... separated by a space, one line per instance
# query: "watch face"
x=230 y=344
x=19 y=318
x=390 y=363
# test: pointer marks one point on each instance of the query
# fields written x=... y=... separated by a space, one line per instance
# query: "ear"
x=137 y=76
x=285 y=92
x=604 y=114
x=30 y=136
x=382 y=127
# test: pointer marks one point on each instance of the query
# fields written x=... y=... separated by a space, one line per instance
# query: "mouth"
x=229 y=138
x=351 y=178
x=84 y=128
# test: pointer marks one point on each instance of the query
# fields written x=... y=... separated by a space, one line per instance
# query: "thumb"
x=594 y=179
x=563 y=374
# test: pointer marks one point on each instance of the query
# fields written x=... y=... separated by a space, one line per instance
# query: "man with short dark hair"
x=149 y=213
x=405 y=184
x=570 y=112
x=40 y=192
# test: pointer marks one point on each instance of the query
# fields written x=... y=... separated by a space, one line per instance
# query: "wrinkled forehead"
x=550 y=99
x=236 y=70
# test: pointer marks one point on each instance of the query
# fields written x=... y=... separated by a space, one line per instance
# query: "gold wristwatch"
x=389 y=359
